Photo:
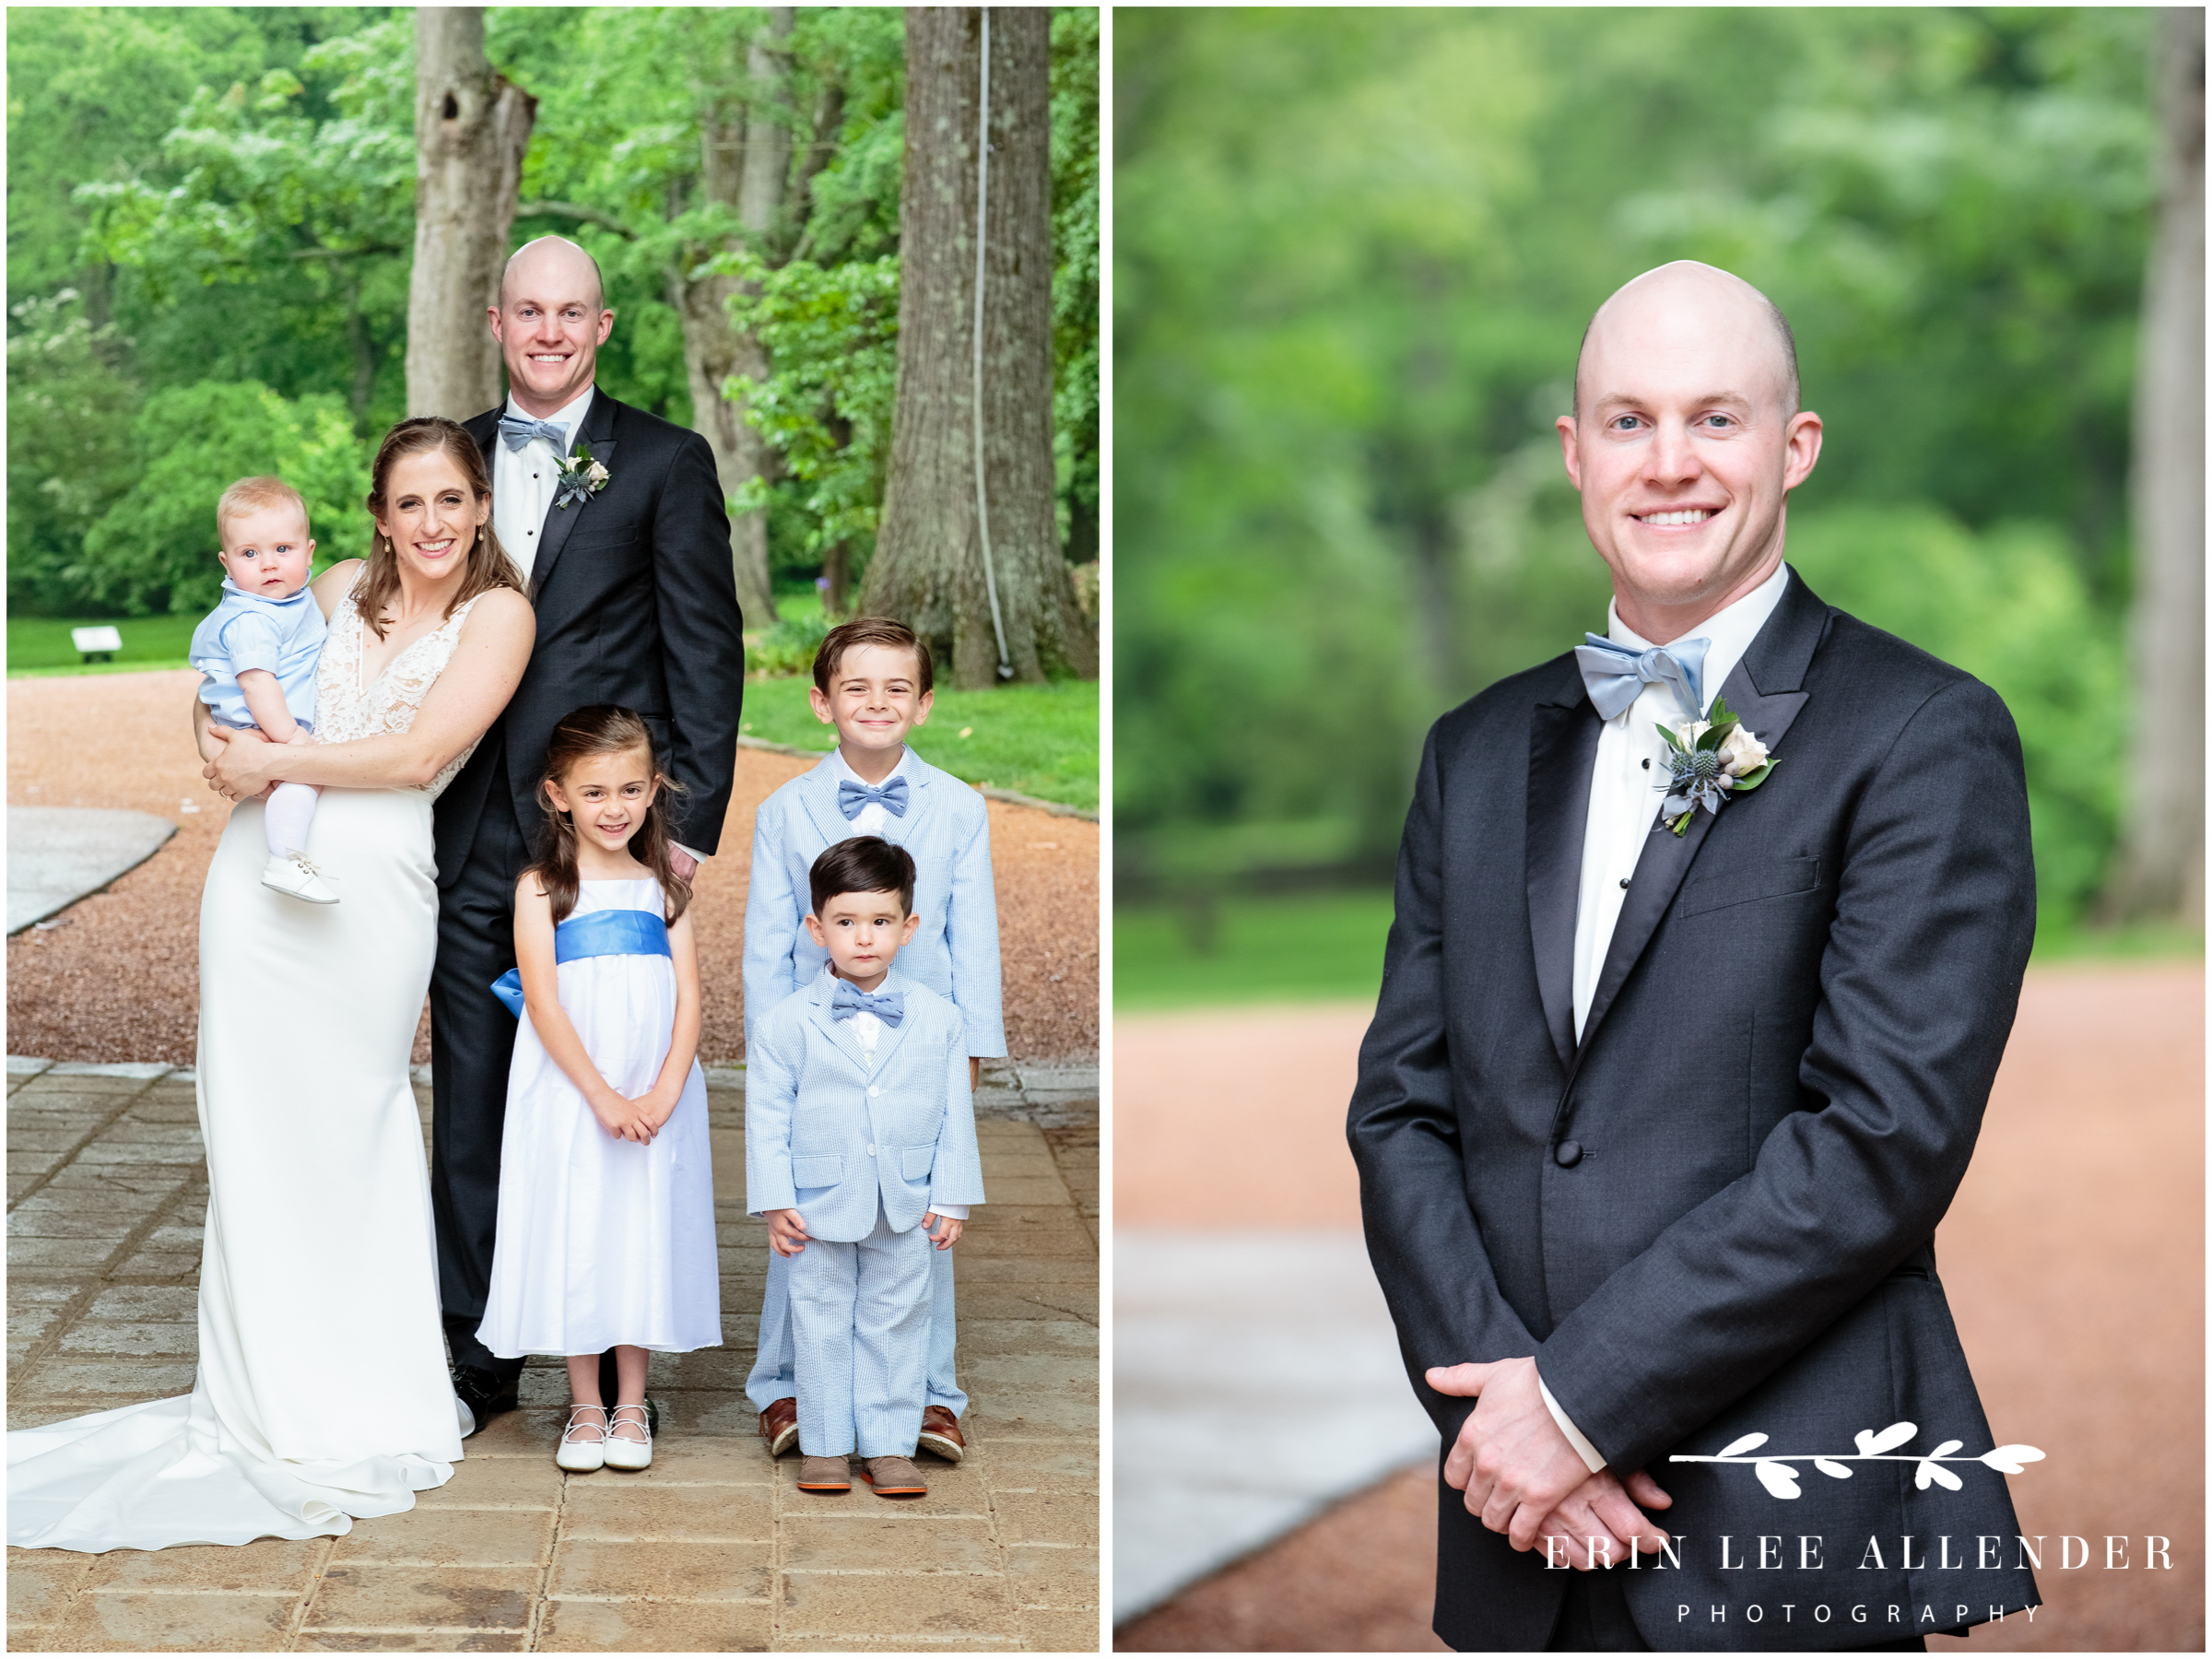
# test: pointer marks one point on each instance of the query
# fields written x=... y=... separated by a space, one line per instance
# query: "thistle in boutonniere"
x=1707 y=762
x=578 y=476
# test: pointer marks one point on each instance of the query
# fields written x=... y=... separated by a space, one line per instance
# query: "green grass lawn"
x=1295 y=947
x=1038 y=740
x=1328 y=946
x=40 y=644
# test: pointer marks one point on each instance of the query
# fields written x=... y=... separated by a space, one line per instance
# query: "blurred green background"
x=1355 y=251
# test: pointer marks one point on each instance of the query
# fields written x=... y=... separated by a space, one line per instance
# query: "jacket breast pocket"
x=1772 y=879
x=817 y=1170
x=915 y=1162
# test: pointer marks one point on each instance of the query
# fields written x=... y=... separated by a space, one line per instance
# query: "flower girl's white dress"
x=322 y=1390
x=601 y=1240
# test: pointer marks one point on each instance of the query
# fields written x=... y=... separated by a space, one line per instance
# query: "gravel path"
x=121 y=981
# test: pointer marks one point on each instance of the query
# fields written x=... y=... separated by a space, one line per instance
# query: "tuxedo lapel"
x=560 y=522
x=1763 y=692
x=1562 y=746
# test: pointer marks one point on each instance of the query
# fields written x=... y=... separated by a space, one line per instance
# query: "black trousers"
x=472 y=1041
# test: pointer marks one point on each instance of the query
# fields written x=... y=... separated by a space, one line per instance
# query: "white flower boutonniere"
x=1708 y=761
x=580 y=477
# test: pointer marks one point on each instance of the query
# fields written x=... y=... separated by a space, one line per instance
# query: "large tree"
x=931 y=548
x=471 y=127
x=2160 y=871
x=745 y=144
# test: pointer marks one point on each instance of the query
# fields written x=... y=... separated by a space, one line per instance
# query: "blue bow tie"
x=887 y=1005
x=852 y=797
x=1615 y=675
x=518 y=431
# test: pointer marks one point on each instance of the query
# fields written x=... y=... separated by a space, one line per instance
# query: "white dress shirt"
x=871 y=818
x=869 y=1030
x=1624 y=804
x=523 y=481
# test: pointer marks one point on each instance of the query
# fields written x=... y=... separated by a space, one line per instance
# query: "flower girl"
x=606 y=1198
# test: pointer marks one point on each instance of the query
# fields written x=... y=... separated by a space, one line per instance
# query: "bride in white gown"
x=323 y=1392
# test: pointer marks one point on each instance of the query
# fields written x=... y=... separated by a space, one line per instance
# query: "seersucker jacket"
x=946 y=830
x=828 y=1134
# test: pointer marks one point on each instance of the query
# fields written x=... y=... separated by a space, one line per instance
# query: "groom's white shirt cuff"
x=1575 y=1436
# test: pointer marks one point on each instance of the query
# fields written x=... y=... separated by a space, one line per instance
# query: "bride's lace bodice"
x=346 y=709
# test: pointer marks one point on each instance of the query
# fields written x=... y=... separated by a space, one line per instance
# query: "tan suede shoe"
x=893 y=1476
x=825 y=1475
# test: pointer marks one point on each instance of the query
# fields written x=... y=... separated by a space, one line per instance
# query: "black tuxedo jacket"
x=637 y=605
x=1774 y=1098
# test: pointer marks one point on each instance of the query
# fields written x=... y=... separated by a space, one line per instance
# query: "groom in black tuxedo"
x=637 y=605
x=1658 y=1115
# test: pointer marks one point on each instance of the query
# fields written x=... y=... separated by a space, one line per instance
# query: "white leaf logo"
x=1736 y=1447
x=1828 y=1466
x=1872 y=1444
x=2010 y=1460
x=1933 y=1472
x=1778 y=1478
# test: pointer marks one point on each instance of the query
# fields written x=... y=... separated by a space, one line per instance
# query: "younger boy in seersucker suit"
x=860 y=1153
x=873 y=682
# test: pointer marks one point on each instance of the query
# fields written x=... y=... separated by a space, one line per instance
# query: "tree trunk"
x=471 y=127
x=746 y=157
x=928 y=567
x=2160 y=870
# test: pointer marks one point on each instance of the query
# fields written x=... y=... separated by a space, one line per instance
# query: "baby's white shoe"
x=581 y=1456
x=296 y=874
x=623 y=1453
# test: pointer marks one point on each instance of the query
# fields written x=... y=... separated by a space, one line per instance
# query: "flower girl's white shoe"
x=295 y=875
x=626 y=1454
x=581 y=1456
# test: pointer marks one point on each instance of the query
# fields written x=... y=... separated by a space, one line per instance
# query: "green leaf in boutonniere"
x=1673 y=742
x=1753 y=780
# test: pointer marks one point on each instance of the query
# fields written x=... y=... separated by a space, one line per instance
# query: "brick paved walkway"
x=710 y=1549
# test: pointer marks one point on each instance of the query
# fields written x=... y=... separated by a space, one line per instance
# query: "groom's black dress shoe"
x=484 y=1393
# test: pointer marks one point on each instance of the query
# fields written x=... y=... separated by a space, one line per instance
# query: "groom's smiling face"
x=550 y=321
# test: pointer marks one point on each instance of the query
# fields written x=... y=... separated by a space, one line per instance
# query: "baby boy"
x=258 y=650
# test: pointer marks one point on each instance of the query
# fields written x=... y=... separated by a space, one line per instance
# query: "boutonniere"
x=1707 y=762
x=578 y=476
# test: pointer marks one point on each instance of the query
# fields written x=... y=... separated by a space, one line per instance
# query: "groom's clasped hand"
x=1521 y=1477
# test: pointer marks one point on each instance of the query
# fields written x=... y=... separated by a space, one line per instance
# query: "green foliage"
x=154 y=550
x=2007 y=606
x=1036 y=740
x=1354 y=253
x=1218 y=950
x=790 y=646
x=832 y=334
x=1076 y=270
x=69 y=451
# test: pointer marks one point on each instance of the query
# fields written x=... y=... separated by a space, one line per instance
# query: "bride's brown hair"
x=489 y=566
x=605 y=729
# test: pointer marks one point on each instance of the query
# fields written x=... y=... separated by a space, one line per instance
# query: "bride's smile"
x=434 y=517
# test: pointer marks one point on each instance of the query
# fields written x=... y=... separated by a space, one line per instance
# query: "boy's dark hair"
x=867 y=863
x=869 y=630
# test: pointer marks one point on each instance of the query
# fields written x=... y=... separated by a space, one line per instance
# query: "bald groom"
x=637 y=605
x=1682 y=1052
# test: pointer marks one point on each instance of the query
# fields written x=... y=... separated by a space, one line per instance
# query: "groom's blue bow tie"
x=887 y=1005
x=518 y=431
x=1615 y=675
x=852 y=797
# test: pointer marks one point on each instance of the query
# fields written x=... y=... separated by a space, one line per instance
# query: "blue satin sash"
x=595 y=933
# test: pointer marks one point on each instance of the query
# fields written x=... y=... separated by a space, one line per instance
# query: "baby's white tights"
x=289 y=813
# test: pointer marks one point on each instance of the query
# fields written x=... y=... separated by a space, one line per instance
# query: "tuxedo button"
x=1567 y=1154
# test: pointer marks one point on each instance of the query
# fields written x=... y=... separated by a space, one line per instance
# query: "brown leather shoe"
x=825 y=1475
x=893 y=1476
x=780 y=1427
x=941 y=1433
